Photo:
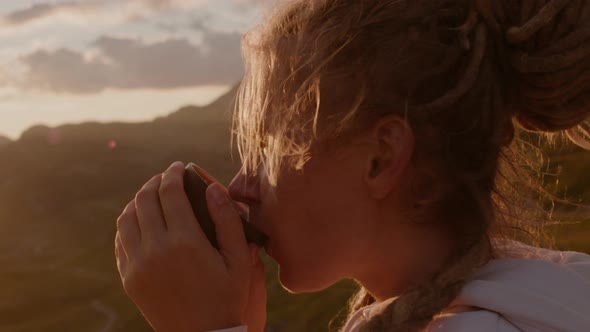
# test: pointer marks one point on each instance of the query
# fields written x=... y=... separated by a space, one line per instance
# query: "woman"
x=379 y=142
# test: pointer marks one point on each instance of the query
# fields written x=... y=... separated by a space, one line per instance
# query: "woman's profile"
x=383 y=141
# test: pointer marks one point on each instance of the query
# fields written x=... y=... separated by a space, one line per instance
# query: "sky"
x=70 y=61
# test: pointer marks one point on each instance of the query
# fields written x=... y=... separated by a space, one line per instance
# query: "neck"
x=406 y=255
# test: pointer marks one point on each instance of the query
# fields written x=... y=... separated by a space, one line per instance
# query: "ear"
x=392 y=144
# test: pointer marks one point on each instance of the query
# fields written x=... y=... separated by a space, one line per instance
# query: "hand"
x=169 y=269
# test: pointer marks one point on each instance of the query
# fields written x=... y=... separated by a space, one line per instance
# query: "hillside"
x=4 y=140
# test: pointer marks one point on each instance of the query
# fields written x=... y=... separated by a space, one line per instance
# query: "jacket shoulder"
x=469 y=321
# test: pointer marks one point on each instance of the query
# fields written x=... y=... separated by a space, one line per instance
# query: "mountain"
x=61 y=191
x=4 y=140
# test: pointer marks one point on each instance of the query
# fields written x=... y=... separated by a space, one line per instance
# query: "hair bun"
x=547 y=47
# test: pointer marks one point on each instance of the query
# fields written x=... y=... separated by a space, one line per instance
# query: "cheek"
x=314 y=231
x=311 y=247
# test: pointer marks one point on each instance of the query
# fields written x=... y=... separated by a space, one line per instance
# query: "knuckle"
x=120 y=221
x=143 y=195
x=129 y=207
x=124 y=218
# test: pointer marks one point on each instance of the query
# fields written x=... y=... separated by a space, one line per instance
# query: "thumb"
x=228 y=228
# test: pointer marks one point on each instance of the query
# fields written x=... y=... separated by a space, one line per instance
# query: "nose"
x=245 y=188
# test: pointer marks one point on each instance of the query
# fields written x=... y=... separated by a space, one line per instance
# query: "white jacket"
x=533 y=290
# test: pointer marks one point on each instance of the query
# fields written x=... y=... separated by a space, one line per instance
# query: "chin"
x=301 y=282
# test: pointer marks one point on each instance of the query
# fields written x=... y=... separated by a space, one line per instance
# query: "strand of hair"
x=516 y=35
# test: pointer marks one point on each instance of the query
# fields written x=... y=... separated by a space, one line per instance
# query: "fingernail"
x=219 y=195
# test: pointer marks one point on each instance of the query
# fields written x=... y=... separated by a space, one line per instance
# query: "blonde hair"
x=472 y=77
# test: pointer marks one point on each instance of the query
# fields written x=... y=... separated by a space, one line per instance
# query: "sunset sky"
x=116 y=60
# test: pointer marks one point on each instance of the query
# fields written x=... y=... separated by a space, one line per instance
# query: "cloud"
x=130 y=63
x=133 y=8
x=41 y=10
x=200 y=22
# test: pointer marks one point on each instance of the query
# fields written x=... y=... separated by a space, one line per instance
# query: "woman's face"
x=315 y=220
x=344 y=215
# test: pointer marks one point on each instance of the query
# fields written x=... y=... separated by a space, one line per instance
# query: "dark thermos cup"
x=196 y=181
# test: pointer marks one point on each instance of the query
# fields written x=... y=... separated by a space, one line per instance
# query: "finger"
x=258 y=278
x=258 y=294
x=228 y=226
x=121 y=256
x=149 y=211
x=128 y=229
x=176 y=207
